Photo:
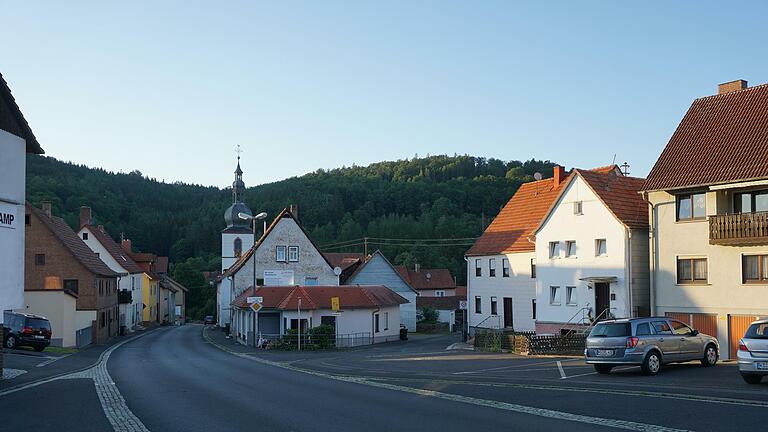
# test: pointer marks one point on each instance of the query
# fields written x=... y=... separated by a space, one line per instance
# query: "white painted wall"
x=60 y=309
x=519 y=286
x=311 y=262
x=12 y=195
x=352 y=321
x=223 y=301
x=131 y=313
x=595 y=222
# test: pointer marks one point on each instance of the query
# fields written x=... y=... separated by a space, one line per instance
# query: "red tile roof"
x=344 y=259
x=115 y=250
x=319 y=297
x=427 y=279
x=13 y=120
x=621 y=195
x=722 y=139
x=509 y=231
x=161 y=265
x=461 y=291
x=73 y=243
x=439 y=303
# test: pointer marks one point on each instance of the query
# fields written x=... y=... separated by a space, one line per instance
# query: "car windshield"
x=611 y=330
x=757 y=331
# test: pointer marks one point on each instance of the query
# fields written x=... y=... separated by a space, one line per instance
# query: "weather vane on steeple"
x=238 y=151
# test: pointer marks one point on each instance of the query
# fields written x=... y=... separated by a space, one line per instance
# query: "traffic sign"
x=463 y=304
x=252 y=300
x=335 y=304
x=256 y=307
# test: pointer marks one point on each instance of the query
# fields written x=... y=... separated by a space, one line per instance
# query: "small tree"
x=429 y=316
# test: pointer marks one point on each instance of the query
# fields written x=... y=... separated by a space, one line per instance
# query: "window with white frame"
x=439 y=293
x=386 y=320
x=293 y=253
x=601 y=247
x=492 y=267
x=494 y=306
x=570 y=296
x=554 y=249
x=310 y=280
x=478 y=305
x=504 y=267
x=280 y=252
x=478 y=269
x=570 y=249
x=577 y=208
x=554 y=295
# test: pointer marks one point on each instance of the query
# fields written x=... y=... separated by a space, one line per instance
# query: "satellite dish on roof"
x=537 y=176
x=337 y=271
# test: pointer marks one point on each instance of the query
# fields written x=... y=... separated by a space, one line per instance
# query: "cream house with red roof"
x=501 y=265
x=592 y=252
x=708 y=200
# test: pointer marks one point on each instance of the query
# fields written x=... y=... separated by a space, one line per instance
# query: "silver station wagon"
x=648 y=343
x=753 y=352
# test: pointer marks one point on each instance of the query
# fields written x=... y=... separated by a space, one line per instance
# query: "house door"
x=508 y=323
x=602 y=300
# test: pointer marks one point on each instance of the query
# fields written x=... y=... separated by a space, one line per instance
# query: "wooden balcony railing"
x=745 y=229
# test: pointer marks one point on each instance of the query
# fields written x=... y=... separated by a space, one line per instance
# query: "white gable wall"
x=595 y=222
x=13 y=169
x=311 y=262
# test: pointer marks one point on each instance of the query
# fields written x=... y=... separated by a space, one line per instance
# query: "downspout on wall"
x=652 y=257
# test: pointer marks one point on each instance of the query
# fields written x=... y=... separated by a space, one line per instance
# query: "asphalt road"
x=175 y=379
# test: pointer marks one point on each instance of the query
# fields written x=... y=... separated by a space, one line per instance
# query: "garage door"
x=737 y=326
x=704 y=323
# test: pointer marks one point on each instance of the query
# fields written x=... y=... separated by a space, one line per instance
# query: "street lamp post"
x=260 y=216
x=298 y=312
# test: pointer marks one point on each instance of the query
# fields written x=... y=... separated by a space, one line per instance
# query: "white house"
x=16 y=140
x=283 y=256
x=365 y=315
x=592 y=252
x=235 y=238
x=130 y=281
x=377 y=270
x=501 y=265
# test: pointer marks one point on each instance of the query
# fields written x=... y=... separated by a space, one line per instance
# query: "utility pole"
x=365 y=243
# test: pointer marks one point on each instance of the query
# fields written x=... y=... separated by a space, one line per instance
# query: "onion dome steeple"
x=237 y=207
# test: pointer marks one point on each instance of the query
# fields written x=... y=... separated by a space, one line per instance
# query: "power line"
x=382 y=240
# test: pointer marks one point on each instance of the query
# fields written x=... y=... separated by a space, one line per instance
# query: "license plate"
x=604 y=353
x=761 y=365
x=38 y=337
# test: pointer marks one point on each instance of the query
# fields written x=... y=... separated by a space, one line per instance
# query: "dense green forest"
x=392 y=203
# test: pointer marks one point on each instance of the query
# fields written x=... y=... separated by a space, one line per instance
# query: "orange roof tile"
x=319 y=297
x=621 y=195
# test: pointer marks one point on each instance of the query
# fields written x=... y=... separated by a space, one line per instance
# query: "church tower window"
x=238 y=247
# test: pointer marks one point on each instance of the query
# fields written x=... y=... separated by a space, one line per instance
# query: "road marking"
x=51 y=360
x=508 y=367
x=112 y=402
x=560 y=368
x=594 y=373
x=12 y=373
x=540 y=412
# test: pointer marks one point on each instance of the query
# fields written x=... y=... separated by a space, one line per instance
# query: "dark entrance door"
x=602 y=300
x=508 y=322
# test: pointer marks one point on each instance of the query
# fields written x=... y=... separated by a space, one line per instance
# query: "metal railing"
x=739 y=229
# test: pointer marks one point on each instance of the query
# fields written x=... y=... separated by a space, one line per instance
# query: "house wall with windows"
x=581 y=242
x=355 y=321
x=519 y=286
x=720 y=288
x=305 y=266
x=13 y=167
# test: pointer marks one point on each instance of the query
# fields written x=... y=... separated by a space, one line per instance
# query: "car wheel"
x=10 y=341
x=752 y=378
x=710 y=356
x=603 y=369
x=39 y=348
x=652 y=363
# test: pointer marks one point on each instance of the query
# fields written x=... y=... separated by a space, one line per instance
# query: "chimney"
x=85 y=216
x=294 y=209
x=47 y=209
x=416 y=267
x=127 y=245
x=559 y=175
x=731 y=86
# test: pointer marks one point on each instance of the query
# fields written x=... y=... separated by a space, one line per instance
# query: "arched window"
x=238 y=247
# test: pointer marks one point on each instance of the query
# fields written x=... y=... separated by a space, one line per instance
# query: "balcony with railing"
x=741 y=229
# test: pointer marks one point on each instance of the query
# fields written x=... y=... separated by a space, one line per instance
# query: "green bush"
x=429 y=316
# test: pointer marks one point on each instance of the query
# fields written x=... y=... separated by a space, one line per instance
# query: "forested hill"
x=435 y=197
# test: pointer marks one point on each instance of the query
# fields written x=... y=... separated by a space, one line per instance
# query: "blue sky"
x=170 y=88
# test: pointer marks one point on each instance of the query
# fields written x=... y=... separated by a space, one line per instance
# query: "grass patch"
x=60 y=350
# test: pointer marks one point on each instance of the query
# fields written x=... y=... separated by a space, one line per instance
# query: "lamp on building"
x=260 y=216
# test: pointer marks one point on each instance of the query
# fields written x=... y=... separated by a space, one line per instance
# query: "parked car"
x=209 y=319
x=648 y=343
x=753 y=352
x=20 y=329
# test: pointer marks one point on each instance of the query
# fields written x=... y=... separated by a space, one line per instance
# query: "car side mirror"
x=694 y=333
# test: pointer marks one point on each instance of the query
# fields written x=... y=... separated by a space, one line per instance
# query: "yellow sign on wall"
x=335 y=304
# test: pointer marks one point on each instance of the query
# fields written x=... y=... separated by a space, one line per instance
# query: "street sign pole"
x=298 y=321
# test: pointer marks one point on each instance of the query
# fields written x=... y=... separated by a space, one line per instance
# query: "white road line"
x=51 y=360
x=594 y=373
x=541 y=412
x=509 y=367
x=560 y=368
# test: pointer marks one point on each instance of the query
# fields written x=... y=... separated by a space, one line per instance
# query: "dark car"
x=20 y=329
x=209 y=319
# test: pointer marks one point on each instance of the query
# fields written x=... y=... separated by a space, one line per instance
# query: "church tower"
x=236 y=239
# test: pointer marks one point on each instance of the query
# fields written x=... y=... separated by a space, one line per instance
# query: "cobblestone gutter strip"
x=112 y=402
x=541 y=412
